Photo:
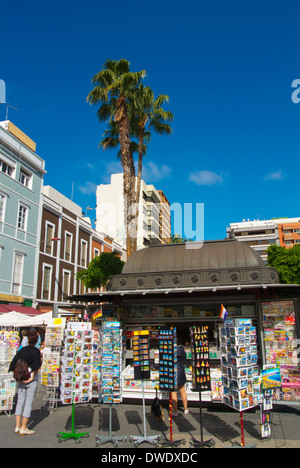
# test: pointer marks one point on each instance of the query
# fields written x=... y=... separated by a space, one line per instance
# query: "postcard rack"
x=76 y=384
x=51 y=363
x=9 y=341
x=241 y=381
x=111 y=343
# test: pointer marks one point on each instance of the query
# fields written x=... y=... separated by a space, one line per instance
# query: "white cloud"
x=89 y=188
x=153 y=173
x=205 y=178
x=274 y=176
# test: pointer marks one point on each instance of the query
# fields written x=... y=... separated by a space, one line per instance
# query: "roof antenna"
x=3 y=98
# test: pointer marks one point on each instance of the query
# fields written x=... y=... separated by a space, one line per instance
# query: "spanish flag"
x=223 y=313
x=97 y=314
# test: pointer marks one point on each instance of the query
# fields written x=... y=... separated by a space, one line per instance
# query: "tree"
x=143 y=115
x=100 y=269
x=114 y=86
x=146 y=114
x=286 y=262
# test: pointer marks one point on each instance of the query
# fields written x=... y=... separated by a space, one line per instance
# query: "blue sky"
x=227 y=66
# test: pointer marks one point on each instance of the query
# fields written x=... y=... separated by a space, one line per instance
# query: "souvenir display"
x=10 y=343
x=96 y=365
x=200 y=358
x=141 y=355
x=281 y=345
x=270 y=380
x=54 y=335
x=50 y=368
x=167 y=358
x=7 y=392
x=112 y=352
x=51 y=355
x=241 y=381
x=76 y=382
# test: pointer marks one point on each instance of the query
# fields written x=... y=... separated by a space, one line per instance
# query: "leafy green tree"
x=114 y=85
x=100 y=269
x=286 y=262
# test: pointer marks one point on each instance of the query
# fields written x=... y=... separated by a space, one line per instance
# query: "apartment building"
x=154 y=213
x=165 y=218
x=68 y=243
x=21 y=180
x=289 y=232
x=261 y=234
x=257 y=234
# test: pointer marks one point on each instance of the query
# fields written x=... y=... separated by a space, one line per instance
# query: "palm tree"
x=114 y=85
x=146 y=114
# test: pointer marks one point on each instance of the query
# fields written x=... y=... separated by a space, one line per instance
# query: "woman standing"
x=27 y=389
x=181 y=360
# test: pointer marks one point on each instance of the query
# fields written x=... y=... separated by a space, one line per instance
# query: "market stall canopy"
x=42 y=319
x=29 y=311
x=13 y=319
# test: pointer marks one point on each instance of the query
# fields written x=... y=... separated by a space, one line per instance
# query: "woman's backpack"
x=21 y=372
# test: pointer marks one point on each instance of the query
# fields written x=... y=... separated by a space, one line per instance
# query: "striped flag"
x=224 y=313
x=97 y=314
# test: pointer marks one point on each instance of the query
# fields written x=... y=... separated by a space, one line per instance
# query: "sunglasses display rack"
x=141 y=366
x=167 y=359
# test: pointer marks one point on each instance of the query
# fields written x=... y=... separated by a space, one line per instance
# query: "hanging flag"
x=86 y=316
x=224 y=313
x=97 y=314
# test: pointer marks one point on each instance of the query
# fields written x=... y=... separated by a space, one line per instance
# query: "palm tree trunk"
x=128 y=175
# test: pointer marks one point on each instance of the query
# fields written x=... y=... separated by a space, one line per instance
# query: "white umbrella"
x=13 y=319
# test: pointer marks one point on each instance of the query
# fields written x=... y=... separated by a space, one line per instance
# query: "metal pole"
x=171 y=418
x=201 y=424
x=242 y=430
x=144 y=409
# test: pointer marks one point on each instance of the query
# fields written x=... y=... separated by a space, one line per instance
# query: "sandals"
x=26 y=432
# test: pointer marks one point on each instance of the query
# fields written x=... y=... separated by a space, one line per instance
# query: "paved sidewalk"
x=219 y=422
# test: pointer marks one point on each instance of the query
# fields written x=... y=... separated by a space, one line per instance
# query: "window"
x=83 y=257
x=66 y=282
x=25 y=178
x=2 y=206
x=96 y=252
x=68 y=246
x=49 y=234
x=6 y=168
x=18 y=273
x=47 y=270
x=22 y=218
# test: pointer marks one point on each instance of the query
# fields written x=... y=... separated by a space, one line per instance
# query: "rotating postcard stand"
x=201 y=374
x=141 y=366
x=76 y=376
x=111 y=343
x=241 y=381
x=168 y=374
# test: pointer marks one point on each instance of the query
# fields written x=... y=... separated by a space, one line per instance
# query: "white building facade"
x=110 y=214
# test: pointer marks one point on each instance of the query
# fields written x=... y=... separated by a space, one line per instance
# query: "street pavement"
x=219 y=422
